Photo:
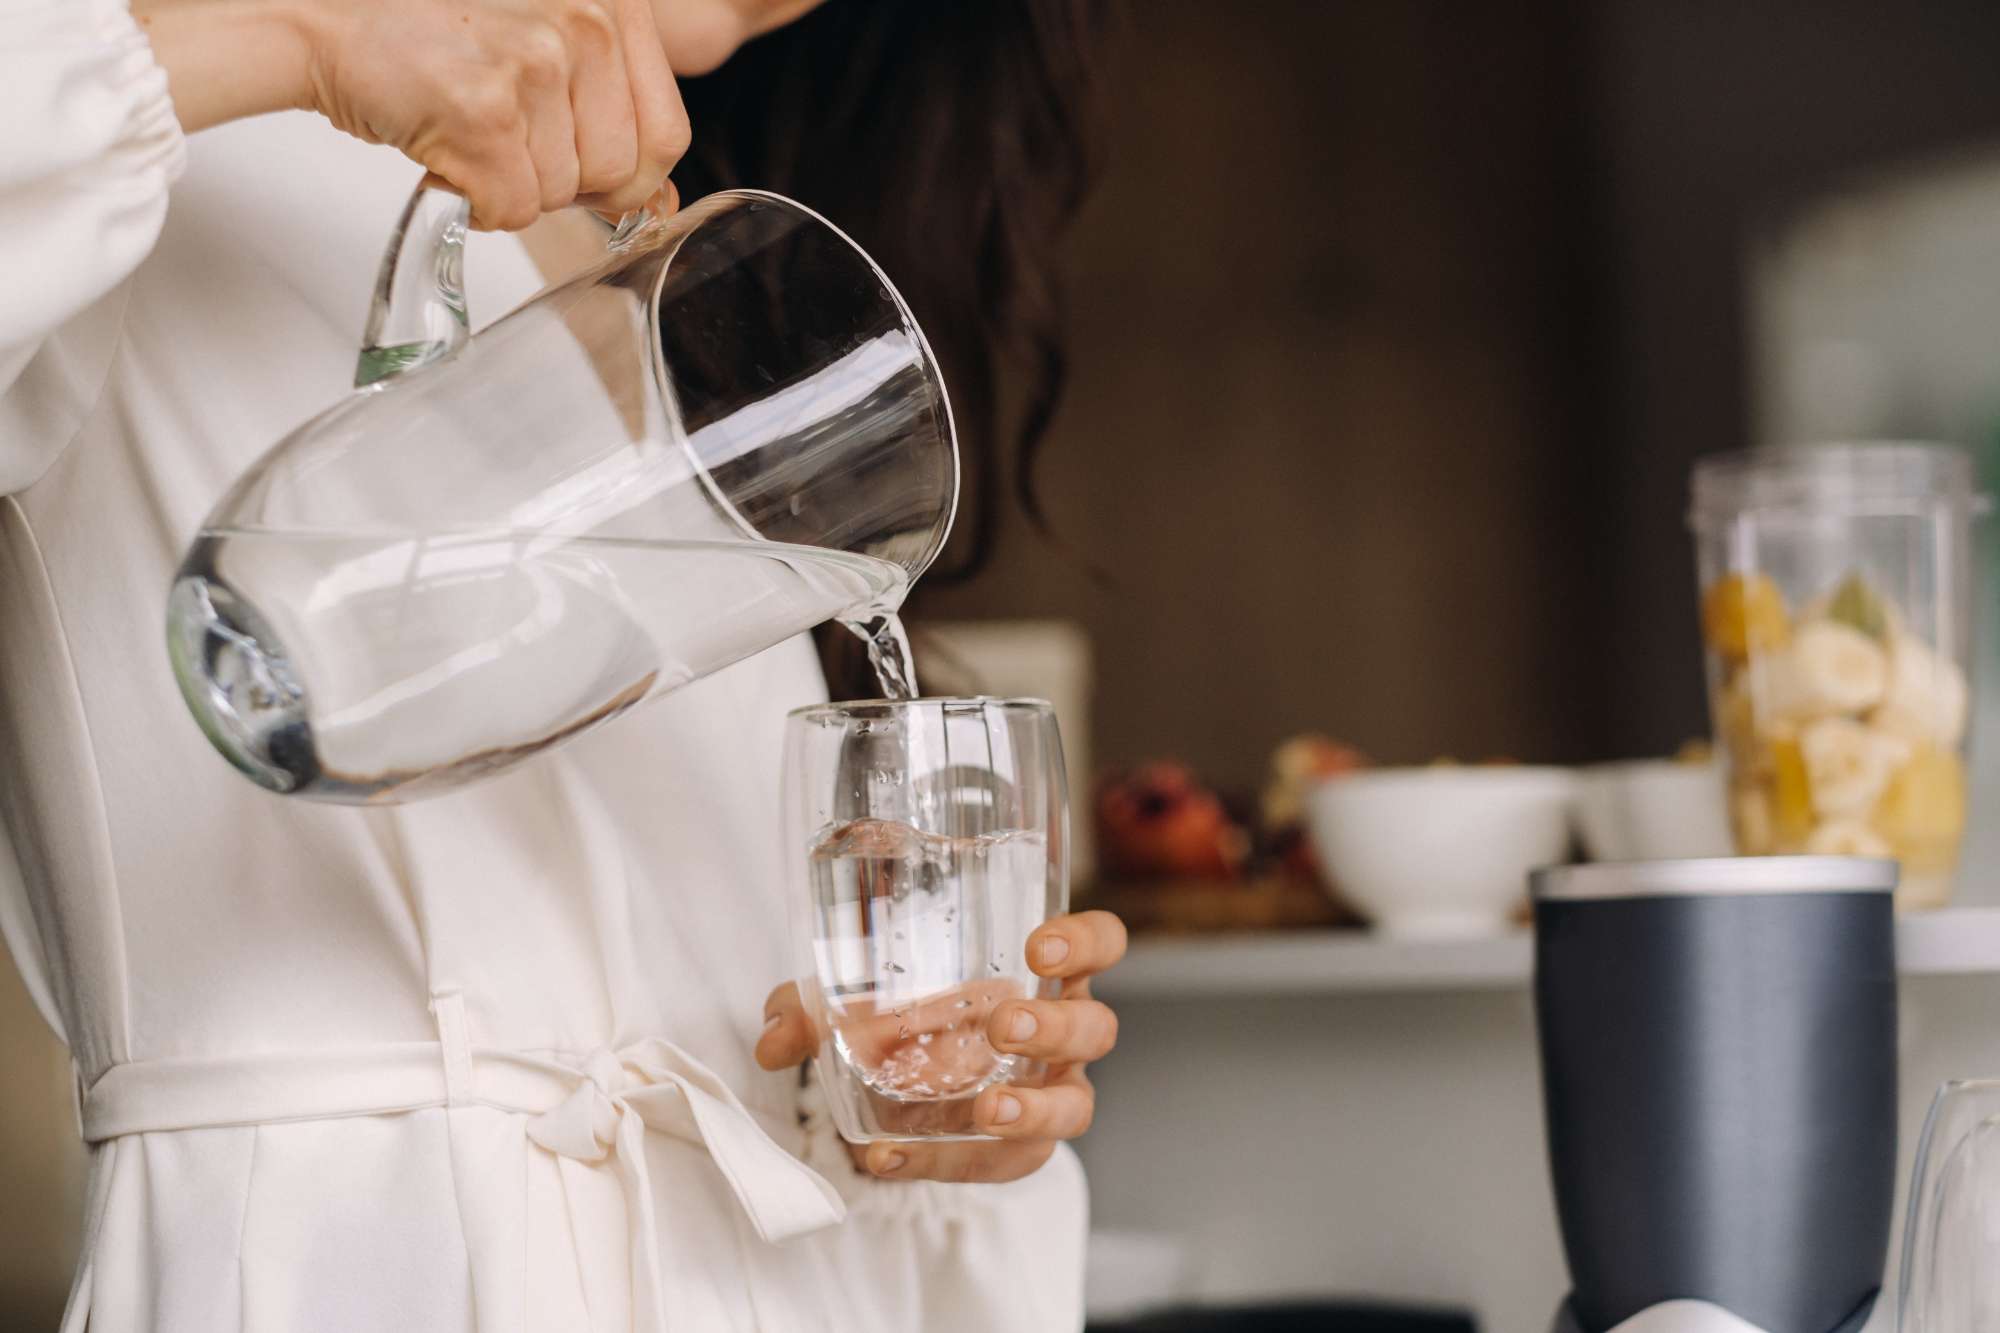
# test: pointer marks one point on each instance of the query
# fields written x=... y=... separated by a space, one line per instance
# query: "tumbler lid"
x=1713 y=876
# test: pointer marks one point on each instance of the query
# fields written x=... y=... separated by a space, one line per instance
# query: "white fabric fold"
x=92 y=148
x=594 y=1109
x=655 y=1085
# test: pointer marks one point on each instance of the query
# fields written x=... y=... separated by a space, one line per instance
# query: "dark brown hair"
x=955 y=141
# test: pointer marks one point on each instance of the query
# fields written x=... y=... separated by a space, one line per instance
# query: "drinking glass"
x=925 y=839
x=726 y=430
x=1951 y=1239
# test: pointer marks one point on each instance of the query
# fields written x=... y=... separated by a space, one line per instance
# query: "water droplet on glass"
x=965 y=1004
x=924 y=1038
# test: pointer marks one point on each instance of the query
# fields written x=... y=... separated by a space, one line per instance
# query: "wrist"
x=227 y=59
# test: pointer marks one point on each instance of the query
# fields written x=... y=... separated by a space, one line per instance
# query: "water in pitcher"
x=357 y=668
x=917 y=937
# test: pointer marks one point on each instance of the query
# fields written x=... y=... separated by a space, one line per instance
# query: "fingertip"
x=1048 y=950
x=886 y=1159
x=998 y=1112
x=786 y=1039
x=1077 y=945
x=1012 y=1025
x=769 y=1055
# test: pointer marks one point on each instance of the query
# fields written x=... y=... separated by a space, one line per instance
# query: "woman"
x=483 y=1062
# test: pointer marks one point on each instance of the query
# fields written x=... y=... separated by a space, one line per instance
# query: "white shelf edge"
x=1955 y=941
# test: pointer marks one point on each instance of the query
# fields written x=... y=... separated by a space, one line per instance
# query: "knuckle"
x=542 y=57
x=586 y=21
x=507 y=208
x=672 y=138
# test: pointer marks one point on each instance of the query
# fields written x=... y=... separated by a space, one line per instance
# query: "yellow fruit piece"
x=1846 y=837
x=1791 y=794
x=1744 y=614
x=1922 y=812
x=1750 y=822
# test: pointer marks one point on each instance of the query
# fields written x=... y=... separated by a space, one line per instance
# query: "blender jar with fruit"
x=1836 y=601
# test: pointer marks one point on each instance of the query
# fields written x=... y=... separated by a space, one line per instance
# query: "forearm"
x=226 y=59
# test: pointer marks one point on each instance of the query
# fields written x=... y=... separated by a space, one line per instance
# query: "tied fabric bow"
x=655 y=1085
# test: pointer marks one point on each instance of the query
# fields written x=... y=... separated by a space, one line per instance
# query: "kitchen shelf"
x=1958 y=940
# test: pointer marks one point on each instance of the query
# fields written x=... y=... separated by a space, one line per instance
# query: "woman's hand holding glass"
x=1025 y=1123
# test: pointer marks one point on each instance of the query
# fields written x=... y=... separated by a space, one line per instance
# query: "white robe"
x=482 y=1062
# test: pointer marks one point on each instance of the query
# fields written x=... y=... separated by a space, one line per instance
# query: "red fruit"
x=1159 y=821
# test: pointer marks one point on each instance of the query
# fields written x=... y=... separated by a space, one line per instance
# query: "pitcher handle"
x=418 y=314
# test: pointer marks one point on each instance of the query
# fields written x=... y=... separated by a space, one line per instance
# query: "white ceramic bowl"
x=1653 y=810
x=1440 y=852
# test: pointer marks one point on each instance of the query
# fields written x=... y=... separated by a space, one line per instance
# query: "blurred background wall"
x=1327 y=434
x=1396 y=325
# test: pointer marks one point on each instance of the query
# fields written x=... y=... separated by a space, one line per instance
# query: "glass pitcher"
x=727 y=430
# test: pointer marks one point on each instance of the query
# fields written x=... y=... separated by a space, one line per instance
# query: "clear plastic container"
x=1836 y=608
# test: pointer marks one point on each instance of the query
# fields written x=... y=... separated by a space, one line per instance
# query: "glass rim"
x=1835 y=476
x=934 y=370
x=1958 y=1087
x=850 y=708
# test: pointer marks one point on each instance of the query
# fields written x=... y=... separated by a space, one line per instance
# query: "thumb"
x=788 y=1037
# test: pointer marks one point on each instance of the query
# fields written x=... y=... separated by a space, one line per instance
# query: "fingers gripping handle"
x=418 y=314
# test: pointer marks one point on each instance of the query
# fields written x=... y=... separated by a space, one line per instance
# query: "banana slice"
x=1924 y=698
x=1848 y=765
x=1835 y=668
x=1846 y=837
x=1828 y=669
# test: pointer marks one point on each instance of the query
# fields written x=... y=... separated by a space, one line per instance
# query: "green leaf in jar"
x=1855 y=602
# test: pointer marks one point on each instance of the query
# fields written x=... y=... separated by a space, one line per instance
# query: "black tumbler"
x=1719 y=1077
